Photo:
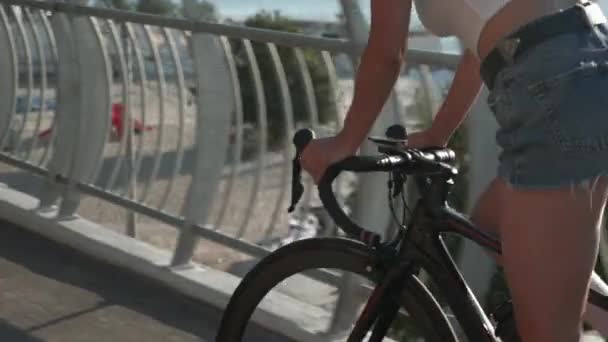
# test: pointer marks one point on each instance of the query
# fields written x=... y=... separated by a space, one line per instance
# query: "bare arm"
x=379 y=68
x=463 y=92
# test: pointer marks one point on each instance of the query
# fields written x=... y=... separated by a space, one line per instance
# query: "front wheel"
x=421 y=317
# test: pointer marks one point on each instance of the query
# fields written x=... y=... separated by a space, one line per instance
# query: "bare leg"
x=487 y=212
x=543 y=220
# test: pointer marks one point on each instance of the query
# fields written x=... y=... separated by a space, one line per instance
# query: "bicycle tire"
x=328 y=253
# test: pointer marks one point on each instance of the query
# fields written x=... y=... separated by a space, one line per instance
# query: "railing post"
x=83 y=106
x=93 y=109
x=68 y=91
x=370 y=206
x=131 y=222
x=215 y=102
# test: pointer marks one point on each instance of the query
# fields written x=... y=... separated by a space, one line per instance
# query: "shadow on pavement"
x=10 y=333
x=58 y=294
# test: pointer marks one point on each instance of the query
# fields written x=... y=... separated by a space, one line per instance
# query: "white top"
x=466 y=18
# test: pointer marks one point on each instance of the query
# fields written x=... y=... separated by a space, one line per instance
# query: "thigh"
x=486 y=213
x=549 y=243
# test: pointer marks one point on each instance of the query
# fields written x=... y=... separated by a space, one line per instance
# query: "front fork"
x=382 y=306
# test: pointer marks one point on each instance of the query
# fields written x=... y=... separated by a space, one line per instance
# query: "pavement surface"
x=49 y=292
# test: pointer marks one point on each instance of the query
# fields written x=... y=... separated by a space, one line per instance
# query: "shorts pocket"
x=562 y=77
x=575 y=101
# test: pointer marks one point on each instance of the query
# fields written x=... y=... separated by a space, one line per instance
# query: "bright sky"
x=309 y=9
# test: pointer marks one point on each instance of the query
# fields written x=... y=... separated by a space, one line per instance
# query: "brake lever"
x=398 y=134
x=300 y=141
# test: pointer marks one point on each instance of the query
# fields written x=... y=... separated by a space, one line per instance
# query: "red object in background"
x=45 y=133
x=117 y=123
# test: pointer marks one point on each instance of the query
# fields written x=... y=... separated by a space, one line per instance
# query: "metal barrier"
x=147 y=113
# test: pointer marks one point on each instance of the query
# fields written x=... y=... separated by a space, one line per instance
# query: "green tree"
x=318 y=73
x=199 y=10
x=160 y=7
x=271 y=20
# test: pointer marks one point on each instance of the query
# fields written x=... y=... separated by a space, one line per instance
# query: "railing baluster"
x=333 y=84
x=54 y=57
x=130 y=189
x=110 y=80
x=9 y=70
x=143 y=84
x=30 y=81
x=181 y=86
x=238 y=133
x=64 y=127
x=336 y=99
x=126 y=108
x=281 y=79
x=41 y=56
x=215 y=104
x=162 y=91
x=102 y=100
x=262 y=124
x=90 y=110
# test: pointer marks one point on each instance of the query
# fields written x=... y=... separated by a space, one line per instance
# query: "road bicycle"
x=392 y=268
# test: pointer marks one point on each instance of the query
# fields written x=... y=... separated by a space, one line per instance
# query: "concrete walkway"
x=51 y=293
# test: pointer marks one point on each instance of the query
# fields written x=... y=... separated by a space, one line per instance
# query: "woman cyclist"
x=545 y=63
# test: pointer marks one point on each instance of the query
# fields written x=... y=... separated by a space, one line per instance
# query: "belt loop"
x=508 y=48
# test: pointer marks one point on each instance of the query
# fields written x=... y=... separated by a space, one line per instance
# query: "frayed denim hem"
x=588 y=184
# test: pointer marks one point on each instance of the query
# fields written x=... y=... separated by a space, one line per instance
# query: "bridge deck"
x=51 y=293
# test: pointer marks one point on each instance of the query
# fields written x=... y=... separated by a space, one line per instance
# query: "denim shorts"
x=551 y=106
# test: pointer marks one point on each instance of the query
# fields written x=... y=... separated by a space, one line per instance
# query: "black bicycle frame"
x=423 y=245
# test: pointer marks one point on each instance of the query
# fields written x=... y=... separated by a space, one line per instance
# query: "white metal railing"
x=174 y=149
